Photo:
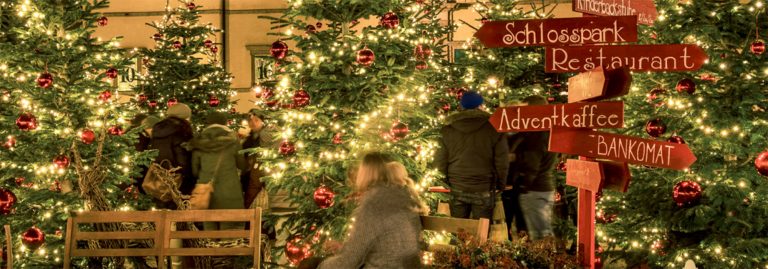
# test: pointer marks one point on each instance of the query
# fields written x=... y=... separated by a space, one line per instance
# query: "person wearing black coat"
x=169 y=137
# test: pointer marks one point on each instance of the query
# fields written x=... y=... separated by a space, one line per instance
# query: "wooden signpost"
x=565 y=31
x=544 y=117
x=644 y=9
x=621 y=148
x=657 y=58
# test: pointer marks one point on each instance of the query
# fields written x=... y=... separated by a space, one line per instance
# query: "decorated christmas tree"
x=346 y=88
x=66 y=143
x=184 y=67
x=714 y=212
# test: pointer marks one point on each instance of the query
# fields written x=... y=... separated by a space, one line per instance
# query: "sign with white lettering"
x=599 y=84
x=584 y=174
x=656 y=58
x=645 y=10
x=621 y=148
x=563 y=31
x=544 y=117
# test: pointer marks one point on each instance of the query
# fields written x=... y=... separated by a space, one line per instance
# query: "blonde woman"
x=387 y=227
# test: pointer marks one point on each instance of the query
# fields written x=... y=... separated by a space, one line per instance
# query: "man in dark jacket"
x=533 y=177
x=168 y=136
x=474 y=158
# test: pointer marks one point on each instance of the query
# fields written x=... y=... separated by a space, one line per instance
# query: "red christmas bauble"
x=562 y=167
x=10 y=142
x=214 y=49
x=177 y=44
x=33 y=238
x=655 y=127
x=87 y=136
x=422 y=52
x=676 y=139
x=757 y=47
x=460 y=93
x=279 y=50
x=686 y=193
x=296 y=251
x=191 y=6
x=422 y=65
x=102 y=21
x=26 y=122
x=233 y=111
x=142 y=98
x=213 y=101
x=172 y=102
x=310 y=29
x=105 y=95
x=399 y=130
x=446 y=107
x=19 y=180
x=337 y=139
x=61 y=161
x=389 y=20
x=365 y=57
x=483 y=20
x=45 y=80
x=686 y=85
x=301 y=98
x=111 y=73
x=208 y=43
x=116 y=130
x=656 y=94
x=324 y=197
x=157 y=36
x=287 y=148
x=7 y=201
x=152 y=104
x=761 y=163
x=266 y=96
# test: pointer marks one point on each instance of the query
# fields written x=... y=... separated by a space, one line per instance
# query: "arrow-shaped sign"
x=561 y=31
x=621 y=148
x=644 y=9
x=599 y=84
x=655 y=58
x=544 y=117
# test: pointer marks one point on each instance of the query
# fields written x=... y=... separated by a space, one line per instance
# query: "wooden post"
x=586 y=226
x=9 y=249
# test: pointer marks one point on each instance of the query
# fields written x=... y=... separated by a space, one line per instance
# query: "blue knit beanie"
x=471 y=100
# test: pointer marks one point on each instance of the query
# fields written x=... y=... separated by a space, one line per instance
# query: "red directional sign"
x=620 y=148
x=596 y=175
x=584 y=174
x=644 y=9
x=599 y=84
x=562 y=31
x=656 y=58
x=544 y=117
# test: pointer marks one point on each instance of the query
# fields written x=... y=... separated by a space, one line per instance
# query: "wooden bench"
x=8 y=247
x=477 y=227
x=163 y=223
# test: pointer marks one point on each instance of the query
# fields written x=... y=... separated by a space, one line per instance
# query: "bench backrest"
x=8 y=247
x=477 y=227
x=163 y=223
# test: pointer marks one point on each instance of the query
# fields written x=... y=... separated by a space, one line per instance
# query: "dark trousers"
x=512 y=210
x=472 y=204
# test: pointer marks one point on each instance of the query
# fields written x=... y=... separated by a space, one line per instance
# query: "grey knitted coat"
x=385 y=234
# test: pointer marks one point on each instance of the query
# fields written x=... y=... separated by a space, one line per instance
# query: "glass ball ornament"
x=686 y=193
x=655 y=127
x=279 y=50
x=323 y=197
x=365 y=57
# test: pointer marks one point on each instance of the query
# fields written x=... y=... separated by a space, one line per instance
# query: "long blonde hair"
x=377 y=169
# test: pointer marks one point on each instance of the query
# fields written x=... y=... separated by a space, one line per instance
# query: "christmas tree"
x=345 y=89
x=66 y=143
x=714 y=213
x=184 y=66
